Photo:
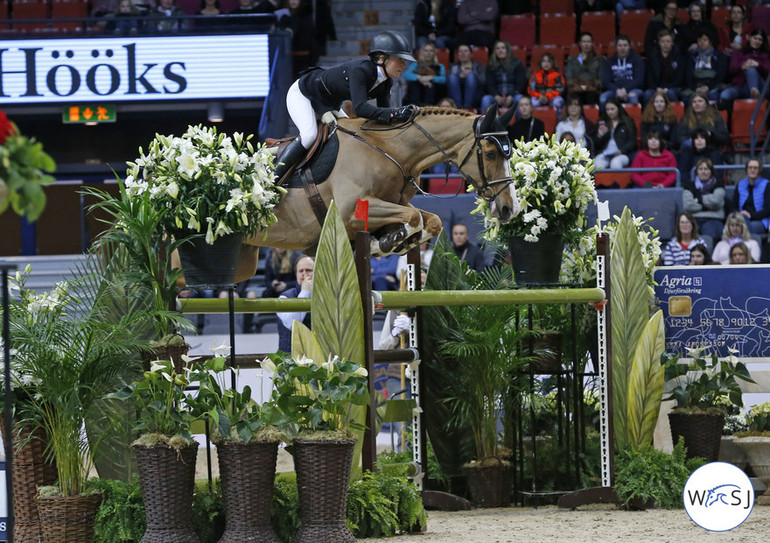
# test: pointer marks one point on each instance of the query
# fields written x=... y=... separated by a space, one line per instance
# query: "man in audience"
x=477 y=20
x=752 y=198
x=665 y=68
x=305 y=266
x=583 y=71
x=623 y=74
x=465 y=250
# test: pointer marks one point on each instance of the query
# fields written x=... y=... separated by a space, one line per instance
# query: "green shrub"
x=120 y=518
x=208 y=513
x=284 y=512
x=648 y=473
x=384 y=504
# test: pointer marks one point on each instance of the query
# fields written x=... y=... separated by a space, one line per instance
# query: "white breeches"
x=301 y=112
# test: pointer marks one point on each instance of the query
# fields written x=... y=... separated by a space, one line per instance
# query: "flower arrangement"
x=555 y=184
x=318 y=397
x=207 y=182
x=758 y=420
x=22 y=166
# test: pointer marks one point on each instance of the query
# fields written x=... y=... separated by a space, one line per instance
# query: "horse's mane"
x=435 y=110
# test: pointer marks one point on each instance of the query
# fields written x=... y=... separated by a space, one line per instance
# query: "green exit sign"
x=90 y=113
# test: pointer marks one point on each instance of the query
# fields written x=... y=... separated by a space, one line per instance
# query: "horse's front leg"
x=405 y=220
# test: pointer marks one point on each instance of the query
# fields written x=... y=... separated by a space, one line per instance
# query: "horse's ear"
x=489 y=118
x=505 y=118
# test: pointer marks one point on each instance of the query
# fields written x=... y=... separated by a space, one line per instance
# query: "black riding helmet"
x=391 y=43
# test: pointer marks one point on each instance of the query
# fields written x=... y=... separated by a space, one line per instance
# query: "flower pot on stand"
x=68 y=518
x=536 y=263
x=490 y=483
x=730 y=452
x=702 y=433
x=323 y=474
x=757 y=448
x=247 y=471
x=210 y=265
x=167 y=477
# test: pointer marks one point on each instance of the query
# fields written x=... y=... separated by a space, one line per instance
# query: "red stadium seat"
x=521 y=54
x=547 y=114
x=557 y=29
x=480 y=54
x=556 y=6
x=518 y=30
x=720 y=15
x=601 y=24
x=441 y=185
x=69 y=10
x=741 y=125
x=678 y=109
x=443 y=57
x=635 y=111
x=4 y=15
x=30 y=10
x=633 y=23
x=591 y=112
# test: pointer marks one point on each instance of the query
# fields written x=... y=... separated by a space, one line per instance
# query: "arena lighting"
x=216 y=112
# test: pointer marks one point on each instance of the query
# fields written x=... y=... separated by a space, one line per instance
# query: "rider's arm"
x=360 y=79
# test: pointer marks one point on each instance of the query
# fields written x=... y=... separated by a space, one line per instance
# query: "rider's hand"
x=401 y=114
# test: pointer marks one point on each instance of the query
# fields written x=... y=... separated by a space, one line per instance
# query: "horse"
x=381 y=164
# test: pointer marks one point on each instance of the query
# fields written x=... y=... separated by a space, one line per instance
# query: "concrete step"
x=339 y=6
x=358 y=32
x=373 y=18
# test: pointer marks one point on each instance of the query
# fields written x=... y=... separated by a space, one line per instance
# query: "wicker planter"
x=68 y=518
x=702 y=433
x=168 y=352
x=490 y=485
x=323 y=474
x=167 y=477
x=757 y=448
x=30 y=470
x=247 y=471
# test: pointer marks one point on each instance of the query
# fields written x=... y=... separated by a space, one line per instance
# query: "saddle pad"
x=320 y=166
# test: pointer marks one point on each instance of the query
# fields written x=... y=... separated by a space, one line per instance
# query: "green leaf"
x=645 y=386
x=305 y=343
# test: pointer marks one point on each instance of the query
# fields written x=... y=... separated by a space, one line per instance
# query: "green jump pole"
x=401 y=300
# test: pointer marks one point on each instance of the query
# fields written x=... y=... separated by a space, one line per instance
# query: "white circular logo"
x=718 y=496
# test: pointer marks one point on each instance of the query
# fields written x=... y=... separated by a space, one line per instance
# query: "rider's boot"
x=291 y=154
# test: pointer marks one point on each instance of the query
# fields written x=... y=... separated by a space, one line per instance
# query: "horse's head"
x=490 y=172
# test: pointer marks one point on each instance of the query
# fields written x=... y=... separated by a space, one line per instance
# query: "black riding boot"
x=291 y=154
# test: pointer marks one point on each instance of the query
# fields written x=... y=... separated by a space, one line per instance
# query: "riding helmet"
x=392 y=43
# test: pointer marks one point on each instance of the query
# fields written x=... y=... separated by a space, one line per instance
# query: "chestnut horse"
x=382 y=164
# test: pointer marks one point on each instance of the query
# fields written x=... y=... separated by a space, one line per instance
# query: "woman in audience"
x=749 y=67
x=699 y=114
x=466 y=78
x=734 y=35
x=689 y=32
x=706 y=69
x=677 y=251
x=700 y=147
x=546 y=84
x=279 y=272
x=426 y=78
x=505 y=78
x=704 y=197
x=658 y=116
x=616 y=137
x=739 y=254
x=435 y=21
x=735 y=231
x=583 y=71
x=526 y=126
x=699 y=256
x=654 y=156
x=583 y=130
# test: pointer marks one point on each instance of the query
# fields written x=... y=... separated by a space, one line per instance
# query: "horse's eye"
x=490 y=155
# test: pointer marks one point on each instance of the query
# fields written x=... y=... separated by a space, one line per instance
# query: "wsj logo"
x=718 y=496
x=107 y=71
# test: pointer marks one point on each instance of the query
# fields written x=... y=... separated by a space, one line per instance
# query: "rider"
x=319 y=91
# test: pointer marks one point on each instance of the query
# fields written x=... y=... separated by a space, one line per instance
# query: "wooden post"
x=364 y=267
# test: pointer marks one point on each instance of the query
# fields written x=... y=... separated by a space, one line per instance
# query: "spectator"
x=699 y=114
x=546 y=84
x=583 y=71
x=209 y=16
x=279 y=272
x=168 y=17
x=666 y=20
x=740 y=254
x=526 y=127
x=435 y=21
x=304 y=276
x=654 y=156
x=478 y=20
x=690 y=32
x=426 y=78
x=466 y=79
x=465 y=250
x=699 y=256
x=735 y=231
x=700 y=148
x=324 y=25
x=616 y=137
x=125 y=20
x=303 y=40
x=748 y=70
x=447 y=102
x=505 y=78
x=384 y=272
x=752 y=198
x=665 y=68
x=706 y=70
x=567 y=136
x=704 y=197
x=677 y=251
x=209 y=8
x=623 y=74
x=623 y=5
x=659 y=116
x=734 y=35
x=583 y=131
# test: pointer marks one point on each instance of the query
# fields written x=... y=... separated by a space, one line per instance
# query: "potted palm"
x=555 y=184
x=318 y=398
x=247 y=440
x=165 y=451
x=756 y=444
x=701 y=389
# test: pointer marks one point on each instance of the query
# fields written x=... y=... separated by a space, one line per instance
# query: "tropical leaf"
x=645 y=384
x=305 y=343
x=630 y=313
x=336 y=300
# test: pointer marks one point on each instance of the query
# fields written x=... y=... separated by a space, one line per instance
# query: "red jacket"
x=644 y=159
x=549 y=83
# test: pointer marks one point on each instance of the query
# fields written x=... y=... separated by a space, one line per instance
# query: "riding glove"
x=401 y=114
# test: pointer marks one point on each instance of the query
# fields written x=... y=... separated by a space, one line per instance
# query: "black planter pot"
x=702 y=433
x=210 y=265
x=536 y=263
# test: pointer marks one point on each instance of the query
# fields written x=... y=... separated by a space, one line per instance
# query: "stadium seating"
x=480 y=54
x=741 y=121
x=633 y=23
x=557 y=29
x=556 y=6
x=30 y=10
x=518 y=30
x=601 y=24
x=69 y=10
x=547 y=114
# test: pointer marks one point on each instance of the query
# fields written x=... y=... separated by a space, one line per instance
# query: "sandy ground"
x=592 y=524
